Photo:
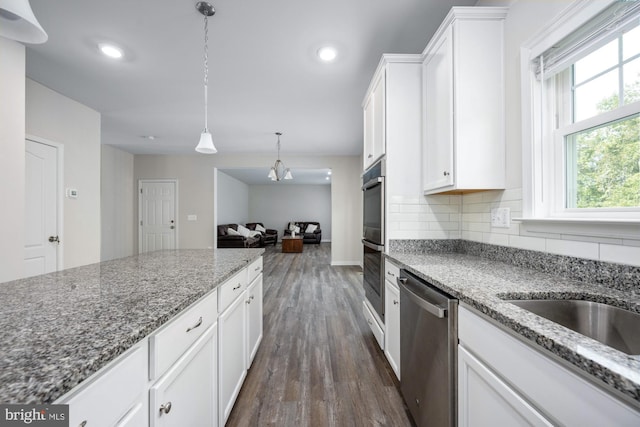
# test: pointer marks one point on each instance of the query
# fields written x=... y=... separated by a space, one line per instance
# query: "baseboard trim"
x=338 y=263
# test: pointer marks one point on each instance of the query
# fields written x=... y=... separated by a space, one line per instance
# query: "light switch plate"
x=501 y=217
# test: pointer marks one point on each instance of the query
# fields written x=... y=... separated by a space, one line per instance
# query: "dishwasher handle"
x=431 y=307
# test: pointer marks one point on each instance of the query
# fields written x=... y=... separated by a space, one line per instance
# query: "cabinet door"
x=254 y=318
x=392 y=326
x=232 y=355
x=438 y=104
x=186 y=394
x=379 y=116
x=483 y=399
x=368 y=133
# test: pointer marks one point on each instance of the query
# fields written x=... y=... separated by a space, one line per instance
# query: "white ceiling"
x=264 y=74
x=258 y=176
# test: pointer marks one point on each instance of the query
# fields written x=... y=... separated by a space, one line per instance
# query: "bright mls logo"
x=34 y=415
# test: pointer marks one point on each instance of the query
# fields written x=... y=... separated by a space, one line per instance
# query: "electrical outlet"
x=501 y=217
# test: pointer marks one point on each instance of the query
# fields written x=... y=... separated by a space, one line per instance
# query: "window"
x=582 y=88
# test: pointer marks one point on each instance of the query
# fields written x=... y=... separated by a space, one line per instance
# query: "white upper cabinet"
x=463 y=100
x=374 y=121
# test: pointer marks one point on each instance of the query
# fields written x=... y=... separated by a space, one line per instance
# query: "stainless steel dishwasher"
x=428 y=351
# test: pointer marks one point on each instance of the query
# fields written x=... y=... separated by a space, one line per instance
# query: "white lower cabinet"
x=232 y=355
x=186 y=394
x=254 y=318
x=503 y=380
x=112 y=396
x=392 y=325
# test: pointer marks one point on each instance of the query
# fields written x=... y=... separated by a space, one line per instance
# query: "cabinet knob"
x=395 y=302
x=166 y=408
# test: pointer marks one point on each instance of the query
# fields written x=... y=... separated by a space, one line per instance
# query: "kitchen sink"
x=612 y=326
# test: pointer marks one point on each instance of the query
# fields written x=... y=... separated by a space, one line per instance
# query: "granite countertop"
x=59 y=328
x=483 y=283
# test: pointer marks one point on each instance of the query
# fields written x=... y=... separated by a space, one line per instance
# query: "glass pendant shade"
x=17 y=22
x=288 y=175
x=205 y=145
x=272 y=175
x=279 y=171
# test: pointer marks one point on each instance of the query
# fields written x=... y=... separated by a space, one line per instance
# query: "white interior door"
x=41 y=209
x=158 y=215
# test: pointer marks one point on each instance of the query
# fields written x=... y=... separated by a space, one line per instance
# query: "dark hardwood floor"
x=318 y=364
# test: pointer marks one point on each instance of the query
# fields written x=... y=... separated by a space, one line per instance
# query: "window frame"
x=543 y=154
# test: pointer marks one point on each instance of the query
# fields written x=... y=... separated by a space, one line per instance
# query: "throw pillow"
x=260 y=228
x=244 y=231
x=311 y=228
x=232 y=232
x=292 y=226
x=296 y=229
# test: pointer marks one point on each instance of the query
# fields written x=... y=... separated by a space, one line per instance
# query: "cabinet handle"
x=237 y=287
x=190 y=329
x=257 y=268
x=391 y=274
x=248 y=301
x=445 y=173
x=83 y=423
x=369 y=156
x=166 y=408
x=395 y=302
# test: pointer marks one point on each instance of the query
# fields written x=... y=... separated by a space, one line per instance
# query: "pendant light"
x=206 y=142
x=278 y=171
x=17 y=22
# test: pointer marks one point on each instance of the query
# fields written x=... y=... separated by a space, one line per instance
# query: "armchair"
x=268 y=237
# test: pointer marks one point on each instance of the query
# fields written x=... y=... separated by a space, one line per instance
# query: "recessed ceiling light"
x=329 y=172
x=327 y=178
x=110 y=50
x=327 y=53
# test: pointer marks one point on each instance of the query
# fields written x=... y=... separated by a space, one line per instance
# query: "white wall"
x=12 y=135
x=196 y=182
x=233 y=200
x=118 y=194
x=57 y=118
x=275 y=205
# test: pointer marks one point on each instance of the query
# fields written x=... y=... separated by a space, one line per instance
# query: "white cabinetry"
x=113 y=396
x=232 y=344
x=502 y=380
x=463 y=81
x=186 y=394
x=374 y=121
x=254 y=317
x=392 y=317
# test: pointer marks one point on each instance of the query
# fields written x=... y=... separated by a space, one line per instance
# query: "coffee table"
x=291 y=244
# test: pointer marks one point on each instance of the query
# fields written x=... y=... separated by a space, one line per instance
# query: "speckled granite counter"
x=59 y=328
x=481 y=283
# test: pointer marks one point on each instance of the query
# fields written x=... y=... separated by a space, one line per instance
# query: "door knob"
x=53 y=239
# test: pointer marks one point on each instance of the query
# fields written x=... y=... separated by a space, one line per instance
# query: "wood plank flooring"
x=318 y=364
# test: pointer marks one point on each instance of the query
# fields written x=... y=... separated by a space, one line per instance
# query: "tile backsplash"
x=468 y=217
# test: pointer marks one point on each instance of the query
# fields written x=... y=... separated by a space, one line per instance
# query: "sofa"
x=225 y=240
x=268 y=237
x=313 y=237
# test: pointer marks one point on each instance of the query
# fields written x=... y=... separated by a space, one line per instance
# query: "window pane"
x=596 y=62
x=632 y=81
x=603 y=165
x=597 y=96
x=631 y=43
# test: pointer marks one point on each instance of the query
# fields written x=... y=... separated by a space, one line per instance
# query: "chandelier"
x=278 y=170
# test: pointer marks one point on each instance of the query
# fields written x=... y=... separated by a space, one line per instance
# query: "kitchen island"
x=60 y=328
x=485 y=284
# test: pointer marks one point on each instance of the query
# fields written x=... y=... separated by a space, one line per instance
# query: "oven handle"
x=372 y=183
x=373 y=246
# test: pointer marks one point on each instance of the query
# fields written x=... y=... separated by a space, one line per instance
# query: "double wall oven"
x=373 y=237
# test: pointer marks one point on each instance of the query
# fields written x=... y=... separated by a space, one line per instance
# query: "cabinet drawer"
x=172 y=340
x=373 y=324
x=232 y=289
x=391 y=272
x=113 y=392
x=254 y=269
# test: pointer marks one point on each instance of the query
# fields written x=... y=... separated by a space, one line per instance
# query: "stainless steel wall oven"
x=373 y=235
